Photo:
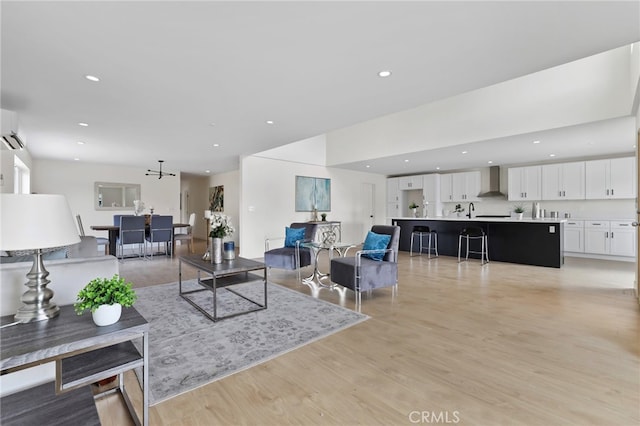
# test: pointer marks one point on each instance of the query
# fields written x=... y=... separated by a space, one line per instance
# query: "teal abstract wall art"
x=313 y=192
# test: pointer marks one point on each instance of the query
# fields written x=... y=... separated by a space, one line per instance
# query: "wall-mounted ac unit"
x=10 y=139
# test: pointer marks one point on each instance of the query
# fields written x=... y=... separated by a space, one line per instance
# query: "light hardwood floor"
x=459 y=343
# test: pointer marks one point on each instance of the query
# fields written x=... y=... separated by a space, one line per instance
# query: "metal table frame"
x=317 y=247
x=223 y=275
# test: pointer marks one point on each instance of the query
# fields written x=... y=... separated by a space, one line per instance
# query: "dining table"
x=114 y=231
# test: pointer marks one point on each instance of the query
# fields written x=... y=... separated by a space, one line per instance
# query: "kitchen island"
x=538 y=242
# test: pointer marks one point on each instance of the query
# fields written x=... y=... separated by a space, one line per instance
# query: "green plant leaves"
x=105 y=291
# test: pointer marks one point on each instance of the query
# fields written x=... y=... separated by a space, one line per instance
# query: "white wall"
x=267 y=202
x=7 y=162
x=634 y=73
x=76 y=181
x=231 y=182
x=591 y=89
x=309 y=151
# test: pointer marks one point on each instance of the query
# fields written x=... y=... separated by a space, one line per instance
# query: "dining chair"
x=132 y=231
x=100 y=240
x=161 y=231
x=188 y=236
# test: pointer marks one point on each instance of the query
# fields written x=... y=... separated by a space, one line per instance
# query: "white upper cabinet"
x=608 y=179
x=466 y=186
x=431 y=186
x=463 y=186
x=525 y=183
x=410 y=182
x=393 y=190
x=446 y=187
x=563 y=181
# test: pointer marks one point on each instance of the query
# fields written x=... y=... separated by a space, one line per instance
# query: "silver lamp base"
x=36 y=305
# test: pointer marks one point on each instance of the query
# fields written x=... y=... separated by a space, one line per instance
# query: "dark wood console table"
x=84 y=353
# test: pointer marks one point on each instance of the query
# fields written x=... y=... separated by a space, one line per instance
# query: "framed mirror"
x=115 y=196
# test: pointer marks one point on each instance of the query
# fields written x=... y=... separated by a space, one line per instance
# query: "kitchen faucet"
x=471 y=208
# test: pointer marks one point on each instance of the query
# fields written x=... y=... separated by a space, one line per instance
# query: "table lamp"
x=36 y=222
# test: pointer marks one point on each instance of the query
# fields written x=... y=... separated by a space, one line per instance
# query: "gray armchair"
x=290 y=258
x=360 y=273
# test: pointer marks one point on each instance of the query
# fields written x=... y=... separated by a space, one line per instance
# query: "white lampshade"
x=35 y=221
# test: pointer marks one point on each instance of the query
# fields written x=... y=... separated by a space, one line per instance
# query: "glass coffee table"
x=317 y=247
x=223 y=275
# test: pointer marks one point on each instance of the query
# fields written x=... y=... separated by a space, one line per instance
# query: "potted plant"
x=414 y=207
x=518 y=211
x=105 y=297
x=323 y=216
x=458 y=209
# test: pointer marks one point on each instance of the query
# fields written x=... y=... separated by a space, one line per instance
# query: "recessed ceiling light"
x=437 y=168
x=490 y=162
x=215 y=145
x=83 y=124
x=634 y=146
x=212 y=124
x=552 y=155
x=367 y=166
x=464 y=152
x=91 y=78
x=207 y=171
x=80 y=143
x=269 y=122
x=406 y=161
x=76 y=159
x=385 y=73
x=536 y=141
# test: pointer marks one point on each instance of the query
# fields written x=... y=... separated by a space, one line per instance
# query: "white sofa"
x=68 y=277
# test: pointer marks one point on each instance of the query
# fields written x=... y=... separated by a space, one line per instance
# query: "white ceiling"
x=170 y=69
x=597 y=139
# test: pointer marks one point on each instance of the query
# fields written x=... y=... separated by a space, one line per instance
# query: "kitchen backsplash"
x=583 y=209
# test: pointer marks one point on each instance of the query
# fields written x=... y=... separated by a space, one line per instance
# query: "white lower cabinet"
x=596 y=237
x=574 y=236
x=393 y=209
x=616 y=238
x=623 y=238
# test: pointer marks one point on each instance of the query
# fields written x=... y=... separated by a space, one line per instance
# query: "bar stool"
x=421 y=232
x=474 y=233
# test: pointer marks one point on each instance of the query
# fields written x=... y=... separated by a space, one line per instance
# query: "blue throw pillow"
x=292 y=235
x=376 y=242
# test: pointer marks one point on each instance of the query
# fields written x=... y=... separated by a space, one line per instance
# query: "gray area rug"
x=187 y=350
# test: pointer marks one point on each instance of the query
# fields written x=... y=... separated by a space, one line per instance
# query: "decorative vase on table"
x=415 y=212
x=216 y=250
x=107 y=314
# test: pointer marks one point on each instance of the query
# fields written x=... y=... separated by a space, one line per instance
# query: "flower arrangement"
x=220 y=226
x=458 y=208
x=518 y=208
x=413 y=205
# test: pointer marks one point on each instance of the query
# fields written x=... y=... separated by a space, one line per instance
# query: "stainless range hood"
x=494 y=184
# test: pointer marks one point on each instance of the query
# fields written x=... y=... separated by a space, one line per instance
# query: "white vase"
x=107 y=314
x=216 y=250
x=415 y=212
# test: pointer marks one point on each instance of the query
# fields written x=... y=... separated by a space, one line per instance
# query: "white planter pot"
x=107 y=314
